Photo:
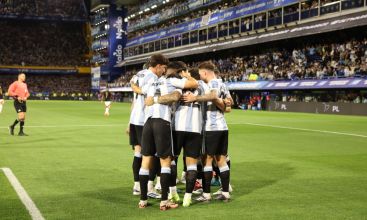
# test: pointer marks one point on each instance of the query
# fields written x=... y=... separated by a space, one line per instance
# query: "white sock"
x=226 y=194
x=158 y=180
x=136 y=185
x=107 y=110
x=187 y=195
x=207 y=195
x=150 y=186
x=173 y=190
x=1 y=108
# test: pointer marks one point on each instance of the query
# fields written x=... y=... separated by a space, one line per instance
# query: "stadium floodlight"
x=140 y=12
x=167 y=1
x=154 y=6
x=126 y=19
x=147 y=9
x=164 y=2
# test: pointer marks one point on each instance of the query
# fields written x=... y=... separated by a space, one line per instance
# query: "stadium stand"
x=308 y=61
x=65 y=8
x=43 y=39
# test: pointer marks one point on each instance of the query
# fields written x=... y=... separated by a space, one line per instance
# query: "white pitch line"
x=23 y=195
x=302 y=129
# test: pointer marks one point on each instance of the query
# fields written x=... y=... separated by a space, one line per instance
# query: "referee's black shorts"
x=216 y=143
x=135 y=134
x=191 y=143
x=157 y=138
x=20 y=106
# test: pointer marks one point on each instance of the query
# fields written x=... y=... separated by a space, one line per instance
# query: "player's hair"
x=208 y=65
x=157 y=59
x=194 y=72
x=216 y=71
x=178 y=66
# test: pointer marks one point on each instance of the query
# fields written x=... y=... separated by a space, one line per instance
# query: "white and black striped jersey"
x=214 y=117
x=144 y=79
x=161 y=87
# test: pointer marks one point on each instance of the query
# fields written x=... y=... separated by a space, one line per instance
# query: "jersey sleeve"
x=12 y=89
x=178 y=83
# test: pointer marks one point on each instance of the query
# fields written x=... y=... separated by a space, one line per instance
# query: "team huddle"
x=173 y=109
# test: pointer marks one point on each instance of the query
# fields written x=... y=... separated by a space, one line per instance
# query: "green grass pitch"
x=76 y=164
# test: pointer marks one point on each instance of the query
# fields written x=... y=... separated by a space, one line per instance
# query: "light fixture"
x=140 y=12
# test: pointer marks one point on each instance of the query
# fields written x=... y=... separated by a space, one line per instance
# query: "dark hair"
x=194 y=72
x=177 y=65
x=208 y=65
x=157 y=59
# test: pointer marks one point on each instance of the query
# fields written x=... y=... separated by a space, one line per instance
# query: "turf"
x=78 y=166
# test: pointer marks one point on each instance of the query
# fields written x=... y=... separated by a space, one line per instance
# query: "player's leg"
x=148 y=151
x=1 y=105
x=107 y=108
x=154 y=170
x=192 y=148
x=164 y=147
x=183 y=174
x=165 y=180
x=18 y=109
x=173 y=195
x=21 y=117
x=135 y=141
x=221 y=158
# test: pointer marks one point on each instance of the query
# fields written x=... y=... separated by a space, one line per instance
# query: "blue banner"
x=117 y=38
x=300 y=84
x=225 y=15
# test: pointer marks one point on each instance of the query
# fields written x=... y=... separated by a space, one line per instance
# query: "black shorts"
x=157 y=138
x=135 y=134
x=20 y=106
x=191 y=143
x=216 y=143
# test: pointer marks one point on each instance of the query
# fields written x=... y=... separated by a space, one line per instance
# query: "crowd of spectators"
x=174 y=14
x=42 y=44
x=53 y=85
x=319 y=61
x=64 y=9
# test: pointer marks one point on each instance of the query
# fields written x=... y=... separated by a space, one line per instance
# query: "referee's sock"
x=15 y=123
x=21 y=126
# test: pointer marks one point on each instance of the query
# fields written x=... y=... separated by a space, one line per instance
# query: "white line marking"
x=23 y=195
x=301 y=129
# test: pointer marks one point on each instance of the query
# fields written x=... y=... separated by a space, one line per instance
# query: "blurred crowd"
x=52 y=84
x=42 y=44
x=319 y=61
x=65 y=8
